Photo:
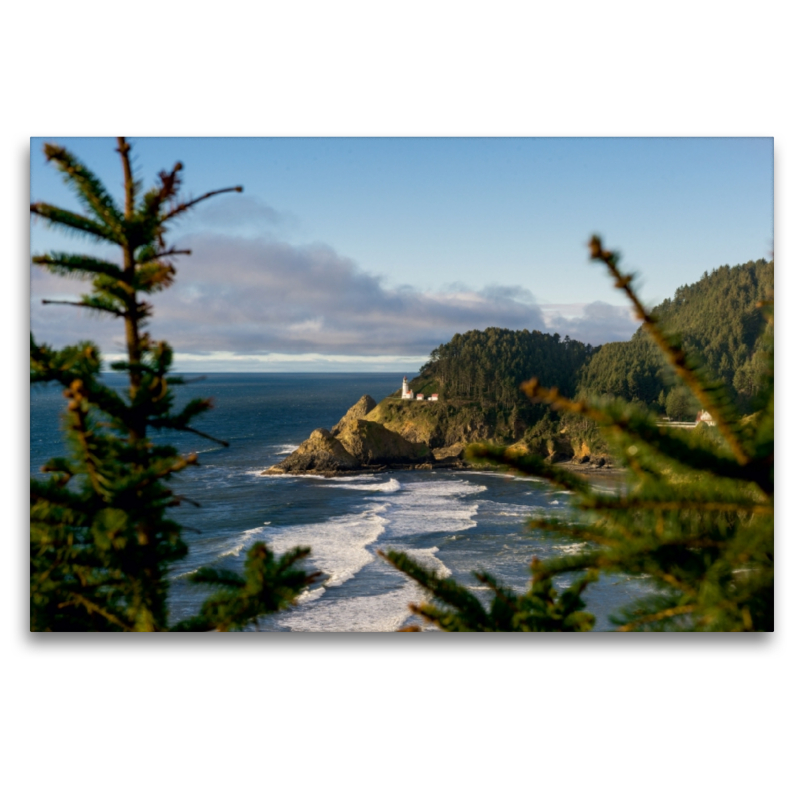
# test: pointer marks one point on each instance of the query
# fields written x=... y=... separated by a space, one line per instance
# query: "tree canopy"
x=720 y=324
x=490 y=365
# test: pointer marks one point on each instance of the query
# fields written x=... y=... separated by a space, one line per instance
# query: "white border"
x=386 y=716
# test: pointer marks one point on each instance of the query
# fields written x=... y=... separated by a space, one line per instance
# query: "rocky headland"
x=400 y=434
x=360 y=444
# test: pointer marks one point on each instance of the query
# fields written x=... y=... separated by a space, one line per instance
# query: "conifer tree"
x=101 y=536
x=695 y=515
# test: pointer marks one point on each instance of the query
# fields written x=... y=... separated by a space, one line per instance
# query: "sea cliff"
x=412 y=434
x=360 y=444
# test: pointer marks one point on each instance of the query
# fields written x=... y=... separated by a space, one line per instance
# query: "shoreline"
x=586 y=471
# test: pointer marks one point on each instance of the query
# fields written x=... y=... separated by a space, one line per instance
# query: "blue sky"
x=365 y=253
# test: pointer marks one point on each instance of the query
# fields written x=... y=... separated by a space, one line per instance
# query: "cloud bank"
x=256 y=297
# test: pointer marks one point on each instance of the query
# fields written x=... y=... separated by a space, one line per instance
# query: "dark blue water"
x=454 y=522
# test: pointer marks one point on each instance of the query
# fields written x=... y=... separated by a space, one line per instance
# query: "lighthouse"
x=406 y=393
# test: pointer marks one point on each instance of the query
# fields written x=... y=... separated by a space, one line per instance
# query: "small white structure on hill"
x=407 y=394
x=704 y=416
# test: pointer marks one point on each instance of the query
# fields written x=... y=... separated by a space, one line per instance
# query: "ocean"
x=454 y=522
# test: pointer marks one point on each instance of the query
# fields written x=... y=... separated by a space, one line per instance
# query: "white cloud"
x=254 y=297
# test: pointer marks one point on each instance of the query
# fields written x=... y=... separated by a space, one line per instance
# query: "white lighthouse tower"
x=406 y=393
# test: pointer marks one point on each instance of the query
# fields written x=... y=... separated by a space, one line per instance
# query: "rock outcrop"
x=374 y=445
x=321 y=452
x=441 y=424
x=454 y=451
x=357 y=411
x=354 y=444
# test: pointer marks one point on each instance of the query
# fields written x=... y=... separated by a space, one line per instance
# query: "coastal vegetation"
x=102 y=539
x=488 y=366
x=479 y=374
x=719 y=322
x=695 y=515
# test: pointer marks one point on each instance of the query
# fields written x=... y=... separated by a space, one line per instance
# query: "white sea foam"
x=487 y=473
x=185 y=574
x=432 y=506
x=284 y=449
x=243 y=540
x=255 y=473
x=605 y=489
x=348 y=478
x=390 y=486
x=426 y=558
x=373 y=613
x=310 y=594
x=338 y=480
x=341 y=547
x=509 y=509
x=338 y=545
x=385 y=612
x=570 y=549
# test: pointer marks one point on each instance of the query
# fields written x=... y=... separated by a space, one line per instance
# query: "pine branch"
x=173 y=425
x=625 y=420
x=643 y=504
x=171 y=252
x=661 y=615
x=68 y=265
x=76 y=222
x=527 y=464
x=179 y=209
x=710 y=399
x=154 y=199
x=92 y=305
x=89 y=189
x=94 y=608
x=445 y=589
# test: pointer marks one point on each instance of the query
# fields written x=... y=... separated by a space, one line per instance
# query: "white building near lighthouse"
x=407 y=394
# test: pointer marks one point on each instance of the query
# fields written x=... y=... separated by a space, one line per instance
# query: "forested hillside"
x=718 y=321
x=489 y=366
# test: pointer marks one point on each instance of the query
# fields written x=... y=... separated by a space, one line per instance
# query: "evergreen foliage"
x=695 y=515
x=489 y=366
x=102 y=540
x=719 y=322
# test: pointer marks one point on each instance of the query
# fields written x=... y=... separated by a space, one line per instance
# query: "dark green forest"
x=716 y=320
x=489 y=366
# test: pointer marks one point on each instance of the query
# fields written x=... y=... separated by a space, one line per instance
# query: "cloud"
x=256 y=296
x=597 y=323
x=236 y=211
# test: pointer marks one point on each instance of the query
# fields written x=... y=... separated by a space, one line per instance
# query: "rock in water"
x=358 y=411
x=321 y=452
